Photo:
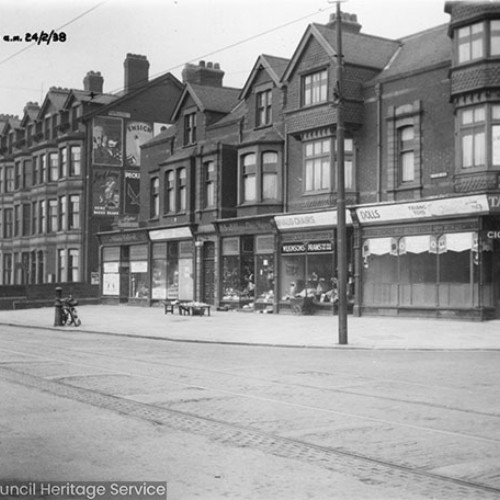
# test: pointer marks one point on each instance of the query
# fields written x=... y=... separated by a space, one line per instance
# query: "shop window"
x=155 y=198
x=25 y=268
x=181 y=190
x=63 y=163
x=264 y=108
x=209 y=177
x=317 y=165
x=53 y=166
x=138 y=286
x=470 y=42
x=75 y=161
x=269 y=175
x=189 y=129
x=249 y=176
x=314 y=88
x=159 y=271
x=110 y=271
x=472 y=133
x=169 y=192
x=406 y=155
x=74 y=212
x=173 y=270
x=307 y=269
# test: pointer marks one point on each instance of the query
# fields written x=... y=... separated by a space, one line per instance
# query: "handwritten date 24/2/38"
x=37 y=37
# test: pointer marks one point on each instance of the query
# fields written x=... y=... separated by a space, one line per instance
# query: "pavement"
x=251 y=328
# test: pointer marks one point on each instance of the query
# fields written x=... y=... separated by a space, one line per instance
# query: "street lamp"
x=341 y=218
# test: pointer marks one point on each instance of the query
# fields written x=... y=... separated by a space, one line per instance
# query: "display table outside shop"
x=188 y=308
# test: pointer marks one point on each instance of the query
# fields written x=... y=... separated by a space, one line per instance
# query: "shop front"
x=172 y=257
x=247 y=263
x=307 y=260
x=124 y=269
x=427 y=258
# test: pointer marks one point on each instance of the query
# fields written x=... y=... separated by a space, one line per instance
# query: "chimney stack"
x=208 y=74
x=93 y=82
x=349 y=22
x=31 y=109
x=136 y=71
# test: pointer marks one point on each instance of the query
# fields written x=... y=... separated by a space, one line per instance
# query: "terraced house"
x=238 y=197
x=56 y=192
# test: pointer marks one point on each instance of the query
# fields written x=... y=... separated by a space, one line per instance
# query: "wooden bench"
x=170 y=305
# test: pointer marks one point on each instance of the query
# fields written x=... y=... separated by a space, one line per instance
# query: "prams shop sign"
x=310 y=247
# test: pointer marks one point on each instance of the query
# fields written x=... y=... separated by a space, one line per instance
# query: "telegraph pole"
x=341 y=204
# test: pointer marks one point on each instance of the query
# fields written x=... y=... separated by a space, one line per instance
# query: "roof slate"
x=219 y=99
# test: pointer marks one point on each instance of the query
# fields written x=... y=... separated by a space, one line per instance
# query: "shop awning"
x=457 y=242
x=378 y=246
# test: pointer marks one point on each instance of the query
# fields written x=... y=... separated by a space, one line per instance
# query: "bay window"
x=317 y=165
x=249 y=172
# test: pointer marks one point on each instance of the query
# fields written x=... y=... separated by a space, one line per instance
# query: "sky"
x=170 y=33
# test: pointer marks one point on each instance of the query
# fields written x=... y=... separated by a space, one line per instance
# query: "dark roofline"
x=123 y=98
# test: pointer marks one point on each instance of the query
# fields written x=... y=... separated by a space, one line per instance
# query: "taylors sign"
x=424 y=209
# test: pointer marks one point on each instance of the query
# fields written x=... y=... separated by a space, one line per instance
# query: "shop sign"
x=310 y=247
x=94 y=278
x=424 y=209
x=315 y=219
x=173 y=233
x=106 y=192
x=245 y=227
x=493 y=235
x=131 y=237
x=494 y=202
x=128 y=221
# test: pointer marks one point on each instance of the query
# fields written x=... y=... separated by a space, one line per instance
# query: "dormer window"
x=314 y=87
x=264 y=108
x=189 y=129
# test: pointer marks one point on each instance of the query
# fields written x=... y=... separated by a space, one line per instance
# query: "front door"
x=209 y=272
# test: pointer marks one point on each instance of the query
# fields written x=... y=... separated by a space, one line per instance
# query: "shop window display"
x=139 y=286
x=305 y=272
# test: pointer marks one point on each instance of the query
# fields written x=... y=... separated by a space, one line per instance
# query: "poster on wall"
x=110 y=284
x=106 y=192
x=131 y=193
x=107 y=141
x=137 y=133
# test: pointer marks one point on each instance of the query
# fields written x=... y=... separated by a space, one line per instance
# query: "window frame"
x=264 y=108
x=190 y=128
x=315 y=88
x=314 y=159
x=154 y=208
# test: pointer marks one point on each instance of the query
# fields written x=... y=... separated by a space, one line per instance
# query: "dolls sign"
x=137 y=134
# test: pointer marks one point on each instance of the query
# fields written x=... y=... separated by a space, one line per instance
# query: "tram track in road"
x=55 y=367
x=365 y=468
x=329 y=389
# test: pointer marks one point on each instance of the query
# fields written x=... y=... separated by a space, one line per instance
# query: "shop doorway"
x=208 y=272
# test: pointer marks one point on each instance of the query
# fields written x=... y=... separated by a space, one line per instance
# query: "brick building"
x=238 y=198
x=52 y=199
